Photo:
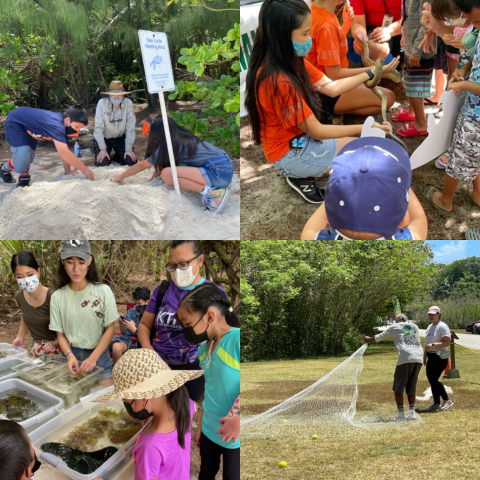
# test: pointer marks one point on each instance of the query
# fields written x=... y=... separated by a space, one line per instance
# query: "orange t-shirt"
x=279 y=122
x=329 y=43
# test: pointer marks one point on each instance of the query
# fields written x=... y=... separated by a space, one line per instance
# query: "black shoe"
x=7 y=177
x=24 y=181
x=307 y=188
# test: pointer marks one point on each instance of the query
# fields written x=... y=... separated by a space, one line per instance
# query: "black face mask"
x=141 y=415
x=140 y=309
x=196 y=338
x=35 y=467
x=70 y=131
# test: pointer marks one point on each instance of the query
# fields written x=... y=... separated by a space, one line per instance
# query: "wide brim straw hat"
x=142 y=374
x=116 y=88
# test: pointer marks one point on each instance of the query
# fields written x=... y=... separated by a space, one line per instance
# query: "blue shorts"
x=217 y=171
x=312 y=160
x=104 y=361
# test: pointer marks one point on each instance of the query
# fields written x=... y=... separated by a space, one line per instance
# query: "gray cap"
x=75 y=248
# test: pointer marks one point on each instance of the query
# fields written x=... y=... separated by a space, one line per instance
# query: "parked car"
x=469 y=326
x=476 y=328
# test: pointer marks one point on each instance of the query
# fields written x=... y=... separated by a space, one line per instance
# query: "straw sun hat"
x=142 y=374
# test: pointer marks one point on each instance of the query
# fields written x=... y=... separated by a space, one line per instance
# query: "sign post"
x=159 y=75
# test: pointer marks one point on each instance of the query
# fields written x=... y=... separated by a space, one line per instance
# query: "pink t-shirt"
x=159 y=456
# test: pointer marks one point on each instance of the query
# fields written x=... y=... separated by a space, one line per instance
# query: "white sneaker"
x=447 y=404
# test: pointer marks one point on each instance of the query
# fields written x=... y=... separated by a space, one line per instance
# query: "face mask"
x=301 y=49
x=30 y=284
x=141 y=415
x=116 y=101
x=35 y=467
x=469 y=41
x=184 y=278
x=195 y=338
x=70 y=131
x=140 y=309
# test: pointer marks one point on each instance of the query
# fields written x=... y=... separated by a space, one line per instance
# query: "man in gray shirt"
x=406 y=337
x=114 y=128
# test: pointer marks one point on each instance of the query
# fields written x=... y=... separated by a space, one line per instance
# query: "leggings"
x=210 y=453
x=435 y=367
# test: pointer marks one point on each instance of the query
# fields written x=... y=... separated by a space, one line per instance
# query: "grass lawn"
x=443 y=447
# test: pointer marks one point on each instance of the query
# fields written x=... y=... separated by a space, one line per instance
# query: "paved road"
x=468 y=340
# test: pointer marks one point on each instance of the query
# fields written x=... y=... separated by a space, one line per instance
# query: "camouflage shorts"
x=464 y=155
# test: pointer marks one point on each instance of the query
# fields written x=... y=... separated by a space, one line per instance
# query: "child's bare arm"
x=133 y=170
x=318 y=221
x=71 y=159
x=465 y=86
x=418 y=220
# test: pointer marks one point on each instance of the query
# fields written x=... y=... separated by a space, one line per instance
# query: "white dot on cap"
x=399 y=180
x=331 y=170
x=376 y=208
x=342 y=203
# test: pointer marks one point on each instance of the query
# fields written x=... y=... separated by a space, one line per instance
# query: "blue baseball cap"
x=368 y=187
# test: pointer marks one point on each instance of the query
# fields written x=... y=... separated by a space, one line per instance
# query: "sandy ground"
x=271 y=209
x=59 y=206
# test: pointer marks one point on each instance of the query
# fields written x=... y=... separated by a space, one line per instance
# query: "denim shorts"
x=217 y=171
x=104 y=361
x=312 y=160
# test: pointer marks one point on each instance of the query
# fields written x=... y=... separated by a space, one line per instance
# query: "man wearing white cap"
x=114 y=128
x=437 y=338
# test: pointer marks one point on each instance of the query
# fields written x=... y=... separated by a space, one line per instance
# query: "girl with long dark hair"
x=149 y=388
x=201 y=167
x=282 y=102
x=208 y=319
x=83 y=312
x=33 y=299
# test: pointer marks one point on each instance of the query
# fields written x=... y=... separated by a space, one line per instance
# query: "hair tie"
x=230 y=309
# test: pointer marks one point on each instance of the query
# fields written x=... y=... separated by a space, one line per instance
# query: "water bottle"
x=77 y=150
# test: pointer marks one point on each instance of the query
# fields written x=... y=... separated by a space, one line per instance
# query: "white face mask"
x=116 y=101
x=184 y=278
x=30 y=284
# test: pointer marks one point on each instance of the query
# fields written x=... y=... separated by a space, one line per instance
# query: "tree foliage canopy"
x=302 y=298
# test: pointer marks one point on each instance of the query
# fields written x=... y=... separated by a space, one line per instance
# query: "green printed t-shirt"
x=222 y=384
x=82 y=316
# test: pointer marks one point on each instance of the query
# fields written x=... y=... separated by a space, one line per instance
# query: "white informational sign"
x=156 y=60
x=159 y=74
x=440 y=136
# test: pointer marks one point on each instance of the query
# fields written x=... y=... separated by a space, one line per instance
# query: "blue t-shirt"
x=205 y=152
x=471 y=107
x=331 y=234
x=25 y=126
x=222 y=384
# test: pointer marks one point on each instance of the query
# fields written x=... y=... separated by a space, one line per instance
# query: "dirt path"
x=59 y=206
x=270 y=209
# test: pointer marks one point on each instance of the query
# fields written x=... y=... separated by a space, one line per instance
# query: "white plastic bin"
x=52 y=403
x=7 y=367
x=8 y=351
x=39 y=371
x=61 y=425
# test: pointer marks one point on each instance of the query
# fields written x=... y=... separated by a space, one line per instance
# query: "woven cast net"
x=332 y=400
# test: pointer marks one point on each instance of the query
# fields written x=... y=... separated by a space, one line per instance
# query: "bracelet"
x=69 y=353
x=370 y=74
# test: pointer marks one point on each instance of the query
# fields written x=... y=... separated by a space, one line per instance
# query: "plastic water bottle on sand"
x=77 y=150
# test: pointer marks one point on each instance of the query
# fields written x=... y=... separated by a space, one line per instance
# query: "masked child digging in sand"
x=201 y=167
x=25 y=126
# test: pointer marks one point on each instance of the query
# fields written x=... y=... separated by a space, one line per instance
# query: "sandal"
x=429 y=103
x=409 y=130
x=467 y=192
x=402 y=116
x=428 y=194
x=472 y=234
x=441 y=164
